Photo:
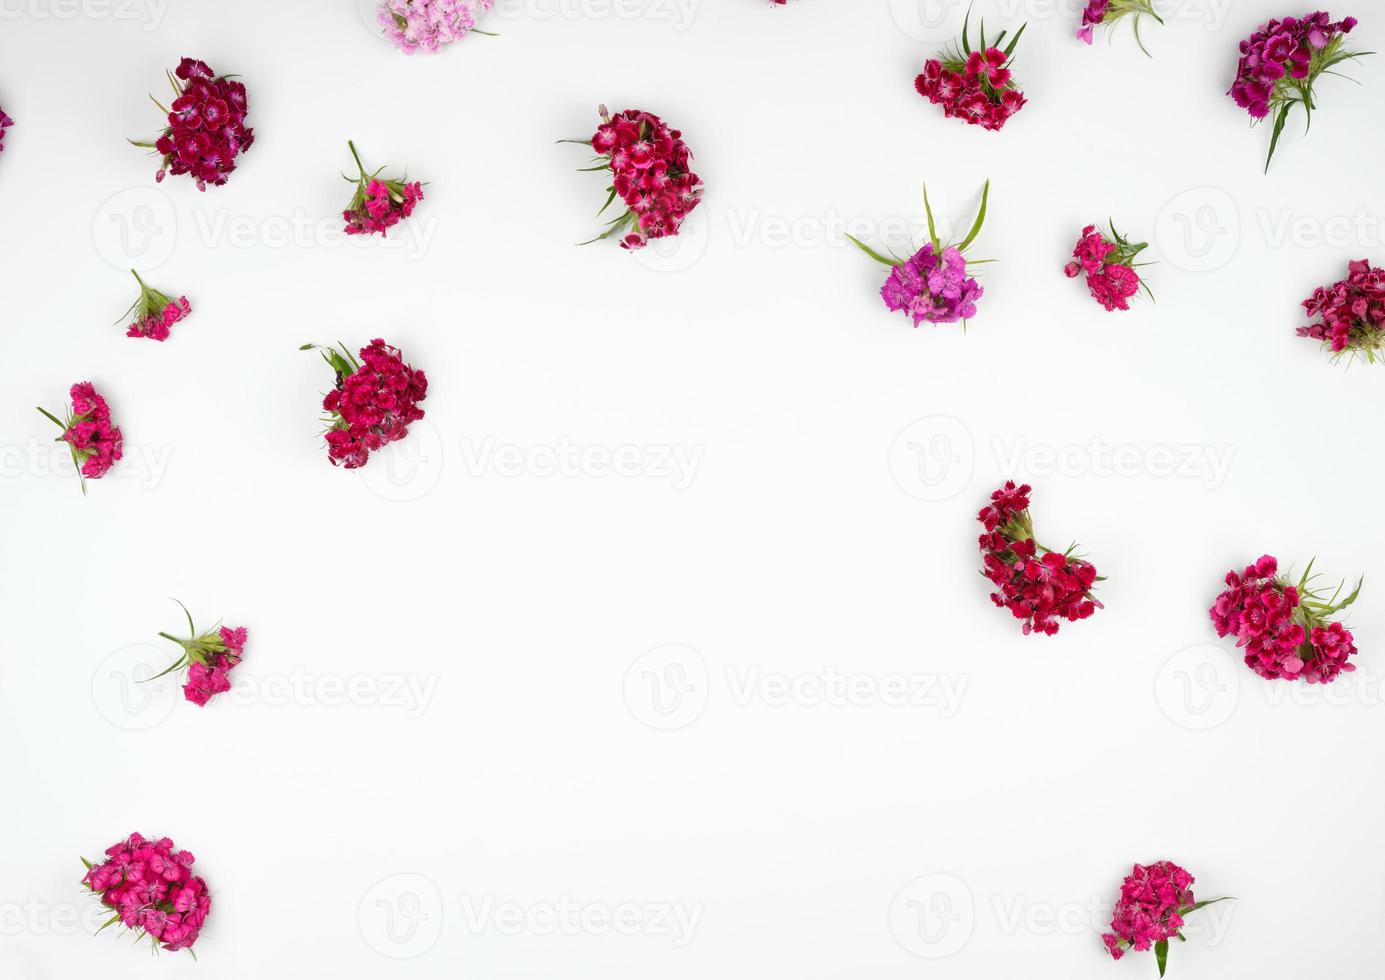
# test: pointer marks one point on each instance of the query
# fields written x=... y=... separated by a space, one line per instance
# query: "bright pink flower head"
x=95 y=442
x=1108 y=265
x=1282 y=628
x=5 y=123
x=379 y=203
x=150 y=887
x=1153 y=900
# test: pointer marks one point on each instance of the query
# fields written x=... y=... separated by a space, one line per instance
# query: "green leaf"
x=892 y=263
x=1010 y=48
x=966 y=42
x=932 y=229
x=1211 y=901
x=1279 y=121
x=980 y=218
x=1161 y=955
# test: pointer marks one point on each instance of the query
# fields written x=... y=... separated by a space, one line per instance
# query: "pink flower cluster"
x=430 y=25
x=979 y=88
x=1280 y=56
x=1109 y=266
x=95 y=443
x=208 y=658
x=5 y=123
x=932 y=287
x=208 y=676
x=1352 y=311
x=379 y=203
x=1153 y=901
x=373 y=403
x=153 y=891
x=206 y=125
x=650 y=172
x=1037 y=585
x=155 y=312
x=1284 y=628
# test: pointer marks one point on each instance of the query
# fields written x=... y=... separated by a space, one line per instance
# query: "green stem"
x=172 y=638
x=141 y=282
x=357 y=157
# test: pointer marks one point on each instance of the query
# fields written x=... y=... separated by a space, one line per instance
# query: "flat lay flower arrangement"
x=1287 y=628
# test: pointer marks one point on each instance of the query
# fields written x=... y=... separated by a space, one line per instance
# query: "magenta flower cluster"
x=152 y=890
x=1352 y=312
x=206 y=125
x=5 y=123
x=1284 y=628
x=932 y=287
x=1279 y=56
x=430 y=25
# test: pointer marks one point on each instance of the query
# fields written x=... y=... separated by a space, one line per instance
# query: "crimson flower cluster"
x=1282 y=61
x=96 y=443
x=1109 y=264
x=1039 y=586
x=5 y=123
x=974 y=85
x=373 y=402
x=152 y=890
x=1352 y=312
x=379 y=203
x=206 y=125
x=155 y=312
x=651 y=173
x=1285 y=628
x=1153 y=902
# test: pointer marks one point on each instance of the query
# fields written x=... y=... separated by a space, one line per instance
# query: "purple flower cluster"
x=932 y=287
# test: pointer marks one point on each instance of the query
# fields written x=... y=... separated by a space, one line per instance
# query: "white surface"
x=526 y=600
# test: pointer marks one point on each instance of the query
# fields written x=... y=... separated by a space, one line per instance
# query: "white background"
x=803 y=835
